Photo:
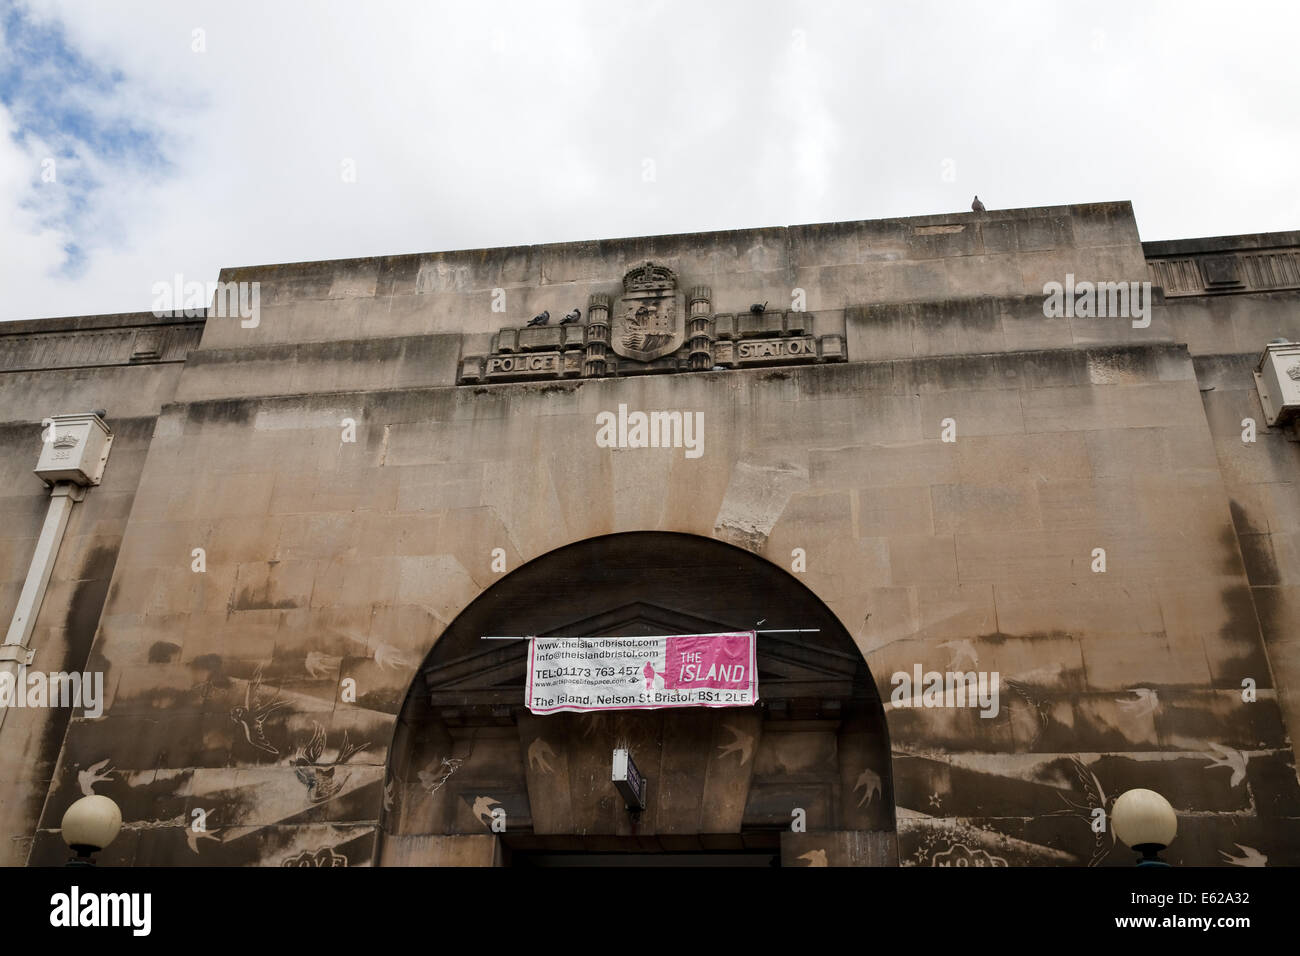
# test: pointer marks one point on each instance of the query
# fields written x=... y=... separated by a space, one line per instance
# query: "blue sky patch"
x=63 y=100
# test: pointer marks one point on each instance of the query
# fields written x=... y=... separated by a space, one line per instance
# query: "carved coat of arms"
x=650 y=320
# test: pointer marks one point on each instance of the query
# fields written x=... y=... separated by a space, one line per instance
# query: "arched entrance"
x=724 y=785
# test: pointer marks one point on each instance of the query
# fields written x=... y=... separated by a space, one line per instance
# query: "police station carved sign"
x=653 y=327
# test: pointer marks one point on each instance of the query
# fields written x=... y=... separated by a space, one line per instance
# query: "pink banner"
x=631 y=673
x=716 y=661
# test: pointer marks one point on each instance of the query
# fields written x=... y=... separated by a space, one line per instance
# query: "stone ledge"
x=96 y=341
x=112 y=320
x=331 y=366
x=316 y=279
x=1047 y=368
x=1210 y=244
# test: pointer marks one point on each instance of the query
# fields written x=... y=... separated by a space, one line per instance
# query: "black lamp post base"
x=1150 y=854
x=83 y=857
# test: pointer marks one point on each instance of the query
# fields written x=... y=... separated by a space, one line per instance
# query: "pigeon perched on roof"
x=977 y=206
x=541 y=319
x=573 y=316
x=758 y=309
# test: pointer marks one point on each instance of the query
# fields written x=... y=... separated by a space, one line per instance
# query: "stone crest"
x=650 y=319
x=654 y=327
x=1294 y=372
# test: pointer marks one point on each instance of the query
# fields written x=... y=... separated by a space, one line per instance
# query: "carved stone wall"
x=335 y=563
x=704 y=342
x=1231 y=264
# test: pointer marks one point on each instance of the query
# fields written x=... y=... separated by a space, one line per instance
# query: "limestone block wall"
x=1231 y=324
x=52 y=367
x=329 y=563
x=957 y=255
x=1228 y=297
x=1261 y=478
x=329 y=560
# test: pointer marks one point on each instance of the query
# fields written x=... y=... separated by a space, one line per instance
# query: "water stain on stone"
x=163 y=652
x=80 y=623
x=230 y=412
x=250 y=599
x=1241 y=520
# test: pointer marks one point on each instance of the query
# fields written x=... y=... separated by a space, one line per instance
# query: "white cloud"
x=503 y=124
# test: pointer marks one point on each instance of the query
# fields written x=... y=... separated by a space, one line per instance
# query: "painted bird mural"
x=193 y=836
x=321 y=665
x=1032 y=718
x=962 y=651
x=1094 y=798
x=1146 y=703
x=741 y=743
x=320 y=778
x=1249 y=856
x=95 y=773
x=1234 y=760
x=386 y=655
x=252 y=716
x=869 y=782
x=539 y=756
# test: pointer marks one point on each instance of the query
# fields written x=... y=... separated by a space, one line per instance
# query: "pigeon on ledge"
x=757 y=309
x=573 y=316
x=977 y=206
x=539 y=319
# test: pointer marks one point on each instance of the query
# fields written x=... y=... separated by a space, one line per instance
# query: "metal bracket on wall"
x=16 y=652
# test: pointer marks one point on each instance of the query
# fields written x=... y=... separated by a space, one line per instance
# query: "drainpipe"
x=74 y=450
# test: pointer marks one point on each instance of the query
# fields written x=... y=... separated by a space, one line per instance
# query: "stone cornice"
x=95 y=341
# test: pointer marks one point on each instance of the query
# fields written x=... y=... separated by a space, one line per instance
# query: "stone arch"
x=726 y=782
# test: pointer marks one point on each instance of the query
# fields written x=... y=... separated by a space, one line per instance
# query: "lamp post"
x=1144 y=821
x=90 y=825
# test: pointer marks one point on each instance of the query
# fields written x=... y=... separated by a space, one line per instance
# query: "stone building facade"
x=311 y=516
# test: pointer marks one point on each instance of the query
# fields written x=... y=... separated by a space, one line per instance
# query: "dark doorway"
x=807 y=767
x=760 y=848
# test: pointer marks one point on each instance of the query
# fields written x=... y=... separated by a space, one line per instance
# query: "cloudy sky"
x=139 y=140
